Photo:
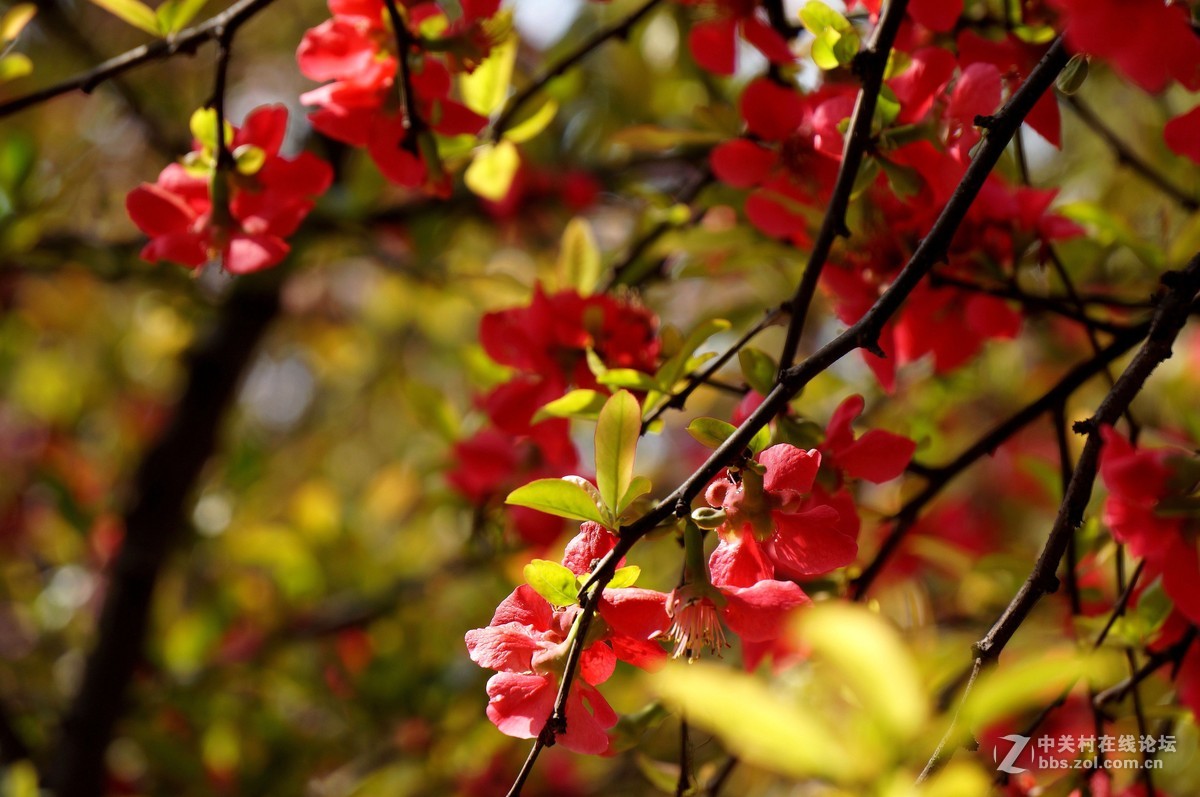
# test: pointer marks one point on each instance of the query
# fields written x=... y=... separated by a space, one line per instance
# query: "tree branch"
x=186 y=41
x=870 y=64
x=153 y=523
x=1169 y=319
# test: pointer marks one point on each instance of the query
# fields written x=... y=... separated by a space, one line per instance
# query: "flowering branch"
x=862 y=334
x=871 y=63
x=1168 y=322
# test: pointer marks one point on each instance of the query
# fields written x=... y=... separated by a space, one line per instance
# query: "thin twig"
x=620 y=29
x=1127 y=157
x=186 y=41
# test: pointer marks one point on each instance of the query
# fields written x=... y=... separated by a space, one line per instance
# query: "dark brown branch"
x=1169 y=319
x=408 y=98
x=1032 y=301
x=1171 y=655
x=685 y=760
x=863 y=334
x=154 y=521
x=870 y=64
x=617 y=30
x=1127 y=157
x=186 y=41
x=718 y=781
x=704 y=375
x=985 y=445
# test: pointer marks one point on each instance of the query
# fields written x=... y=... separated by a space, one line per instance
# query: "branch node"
x=1085 y=427
x=681 y=508
x=986 y=122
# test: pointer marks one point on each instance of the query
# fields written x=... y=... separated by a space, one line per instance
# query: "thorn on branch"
x=1084 y=427
x=985 y=122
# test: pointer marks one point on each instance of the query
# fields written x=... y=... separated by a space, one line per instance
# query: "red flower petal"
x=508 y=647
x=789 y=469
x=770 y=110
x=1182 y=134
x=712 y=45
x=810 y=543
x=741 y=163
x=246 y=254
x=757 y=614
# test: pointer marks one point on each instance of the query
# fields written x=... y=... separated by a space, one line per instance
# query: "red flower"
x=876 y=456
x=765 y=518
x=526 y=642
x=713 y=42
x=551 y=336
x=267 y=201
x=1138 y=481
x=356 y=53
x=1182 y=135
x=1147 y=41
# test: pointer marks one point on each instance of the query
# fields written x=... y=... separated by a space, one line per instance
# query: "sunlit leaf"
x=617 y=433
x=492 y=170
x=557 y=497
x=134 y=13
x=485 y=89
x=579 y=258
x=552 y=581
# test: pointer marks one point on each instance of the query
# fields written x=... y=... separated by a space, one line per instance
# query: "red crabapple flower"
x=748 y=600
x=528 y=640
x=1140 y=485
x=713 y=41
x=547 y=343
x=267 y=197
x=764 y=519
x=355 y=55
x=877 y=455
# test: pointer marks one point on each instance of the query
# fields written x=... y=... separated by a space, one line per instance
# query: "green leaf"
x=491 y=172
x=132 y=12
x=249 y=159
x=625 y=577
x=552 y=581
x=579 y=258
x=174 y=15
x=15 y=20
x=753 y=722
x=15 y=65
x=710 y=432
x=617 y=433
x=203 y=125
x=485 y=89
x=835 y=42
x=871 y=659
x=1070 y=80
x=538 y=121
x=582 y=404
x=759 y=369
x=675 y=367
x=628 y=378
x=637 y=488
x=557 y=497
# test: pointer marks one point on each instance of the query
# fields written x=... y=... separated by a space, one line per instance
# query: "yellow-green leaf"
x=552 y=581
x=174 y=15
x=625 y=577
x=753 y=722
x=491 y=172
x=579 y=257
x=15 y=65
x=15 y=20
x=617 y=434
x=871 y=659
x=557 y=497
x=132 y=12
x=538 y=121
x=485 y=89
x=584 y=404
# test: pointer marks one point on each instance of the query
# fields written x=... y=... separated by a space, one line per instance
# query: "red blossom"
x=265 y=205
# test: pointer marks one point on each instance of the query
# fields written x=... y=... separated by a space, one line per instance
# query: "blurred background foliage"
x=308 y=637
